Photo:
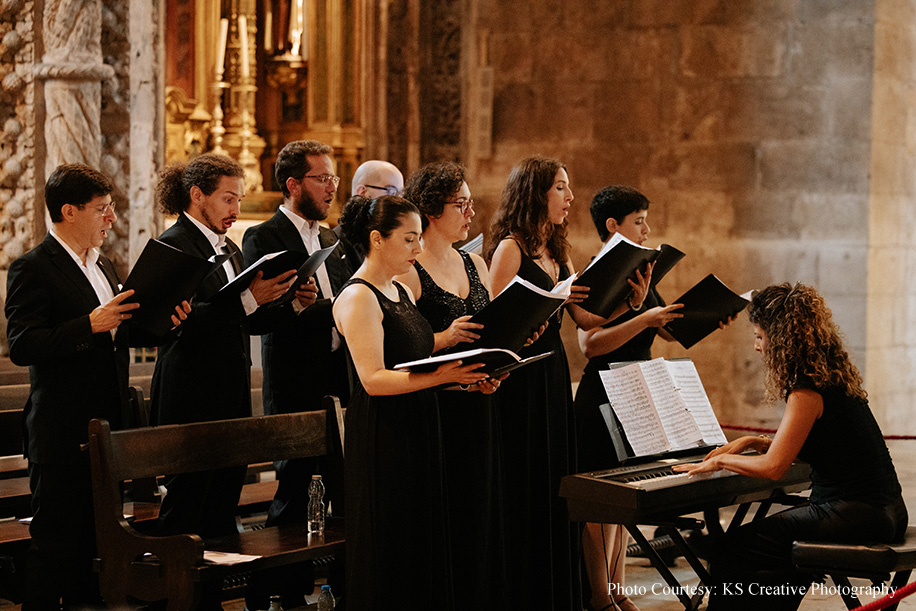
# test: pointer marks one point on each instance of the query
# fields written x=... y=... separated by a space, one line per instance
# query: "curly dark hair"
x=522 y=211
x=802 y=341
x=430 y=186
x=173 y=191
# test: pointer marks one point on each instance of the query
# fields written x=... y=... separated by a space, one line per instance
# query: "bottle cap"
x=316 y=476
x=323 y=588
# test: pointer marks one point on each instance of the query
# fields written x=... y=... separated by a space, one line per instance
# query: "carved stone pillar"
x=147 y=130
x=72 y=69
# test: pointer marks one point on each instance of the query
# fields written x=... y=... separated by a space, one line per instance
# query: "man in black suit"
x=204 y=373
x=65 y=317
x=301 y=352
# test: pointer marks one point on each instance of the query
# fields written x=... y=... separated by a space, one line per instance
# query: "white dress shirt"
x=218 y=242
x=92 y=272
x=309 y=232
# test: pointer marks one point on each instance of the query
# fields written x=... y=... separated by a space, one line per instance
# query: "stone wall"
x=890 y=354
x=748 y=124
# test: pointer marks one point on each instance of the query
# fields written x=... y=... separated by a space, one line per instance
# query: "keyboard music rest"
x=600 y=496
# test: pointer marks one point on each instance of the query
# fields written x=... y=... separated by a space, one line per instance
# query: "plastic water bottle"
x=316 y=505
x=275 y=604
x=326 y=599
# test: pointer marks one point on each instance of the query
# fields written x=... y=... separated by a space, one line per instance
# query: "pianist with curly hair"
x=855 y=494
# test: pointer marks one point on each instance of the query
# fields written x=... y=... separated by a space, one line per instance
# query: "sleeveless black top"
x=408 y=336
x=441 y=307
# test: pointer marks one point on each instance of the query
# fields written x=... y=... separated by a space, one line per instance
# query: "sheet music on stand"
x=661 y=406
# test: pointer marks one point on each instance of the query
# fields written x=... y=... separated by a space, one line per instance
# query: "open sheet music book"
x=515 y=314
x=272 y=264
x=305 y=271
x=661 y=405
x=618 y=261
x=496 y=361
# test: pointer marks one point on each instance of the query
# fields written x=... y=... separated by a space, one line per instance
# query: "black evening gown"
x=595 y=445
x=537 y=428
x=396 y=526
x=473 y=471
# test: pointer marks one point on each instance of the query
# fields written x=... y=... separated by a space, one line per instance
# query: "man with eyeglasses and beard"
x=301 y=352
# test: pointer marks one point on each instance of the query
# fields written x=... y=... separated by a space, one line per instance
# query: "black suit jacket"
x=299 y=367
x=204 y=373
x=75 y=375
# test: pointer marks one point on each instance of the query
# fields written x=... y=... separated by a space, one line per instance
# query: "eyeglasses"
x=326 y=178
x=463 y=205
x=106 y=209
x=389 y=189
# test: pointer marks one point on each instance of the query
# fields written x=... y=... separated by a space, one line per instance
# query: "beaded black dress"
x=396 y=526
x=473 y=472
x=538 y=433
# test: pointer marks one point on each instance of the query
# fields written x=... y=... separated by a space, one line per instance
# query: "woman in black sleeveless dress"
x=450 y=286
x=537 y=424
x=396 y=516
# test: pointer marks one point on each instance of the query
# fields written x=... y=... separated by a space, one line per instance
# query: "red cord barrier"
x=890 y=599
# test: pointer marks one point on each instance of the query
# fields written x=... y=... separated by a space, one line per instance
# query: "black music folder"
x=515 y=315
x=305 y=271
x=272 y=264
x=496 y=361
x=618 y=261
x=707 y=304
x=162 y=278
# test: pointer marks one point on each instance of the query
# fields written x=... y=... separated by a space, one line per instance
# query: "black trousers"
x=751 y=565
x=59 y=559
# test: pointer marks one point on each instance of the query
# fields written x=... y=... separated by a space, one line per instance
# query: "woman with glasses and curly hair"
x=855 y=494
x=450 y=286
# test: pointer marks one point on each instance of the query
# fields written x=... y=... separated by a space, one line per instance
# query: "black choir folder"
x=305 y=271
x=608 y=272
x=661 y=406
x=272 y=264
x=162 y=278
x=707 y=304
x=496 y=361
x=515 y=315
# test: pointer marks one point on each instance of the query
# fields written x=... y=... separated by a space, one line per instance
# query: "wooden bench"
x=147 y=568
x=875 y=562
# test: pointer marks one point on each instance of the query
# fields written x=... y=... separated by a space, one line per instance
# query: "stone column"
x=72 y=69
x=147 y=128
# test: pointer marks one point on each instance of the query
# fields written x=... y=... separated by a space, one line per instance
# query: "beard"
x=308 y=207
